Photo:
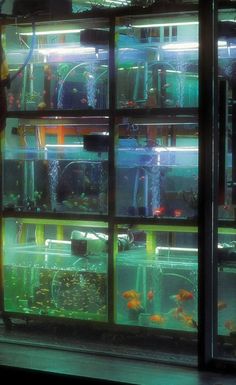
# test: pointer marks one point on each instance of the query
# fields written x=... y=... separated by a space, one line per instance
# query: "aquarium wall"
x=55 y=268
x=56 y=165
x=58 y=65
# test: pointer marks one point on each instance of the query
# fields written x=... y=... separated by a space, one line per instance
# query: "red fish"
x=176 y=312
x=134 y=304
x=182 y=295
x=150 y=295
x=159 y=211
x=221 y=305
x=230 y=325
x=157 y=318
x=131 y=294
x=189 y=321
x=177 y=213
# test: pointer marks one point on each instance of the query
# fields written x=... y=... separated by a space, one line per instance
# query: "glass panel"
x=157 y=61
x=224 y=343
x=55 y=268
x=58 y=165
x=157 y=167
x=58 y=66
x=156 y=279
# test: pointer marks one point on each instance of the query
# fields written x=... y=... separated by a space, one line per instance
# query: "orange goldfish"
x=221 y=305
x=230 y=325
x=150 y=295
x=182 y=295
x=189 y=321
x=159 y=211
x=176 y=312
x=131 y=294
x=157 y=318
x=134 y=304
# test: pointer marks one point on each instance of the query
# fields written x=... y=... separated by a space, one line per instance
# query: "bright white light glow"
x=67 y=50
x=55 y=32
x=192 y=46
x=159 y=248
x=63 y=146
x=151 y=25
x=181 y=46
x=176 y=149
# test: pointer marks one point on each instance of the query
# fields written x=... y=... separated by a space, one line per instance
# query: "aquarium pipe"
x=28 y=56
x=59 y=104
x=49 y=242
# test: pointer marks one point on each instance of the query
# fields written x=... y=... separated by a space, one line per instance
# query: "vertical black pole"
x=233 y=85
x=111 y=172
x=207 y=175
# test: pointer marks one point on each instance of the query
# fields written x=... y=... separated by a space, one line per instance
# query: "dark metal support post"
x=208 y=106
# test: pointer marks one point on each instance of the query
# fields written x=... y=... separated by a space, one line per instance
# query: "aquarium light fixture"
x=53 y=32
x=180 y=72
x=172 y=71
x=48 y=242
x=170 y=24
x=63 y=146
x=175 y=149
x=169 y=122
x=191 y=46
x=131 y=68
x=67 y=50
x=159 y=248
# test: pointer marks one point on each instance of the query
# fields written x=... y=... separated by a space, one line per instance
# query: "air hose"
x=28 y=56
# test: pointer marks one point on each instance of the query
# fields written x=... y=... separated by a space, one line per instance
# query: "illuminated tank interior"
x=100 y=177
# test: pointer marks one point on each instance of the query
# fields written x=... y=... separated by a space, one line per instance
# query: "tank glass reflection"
x=58 y=165
x=57 y=66
x=157 y=61
x=55 y=269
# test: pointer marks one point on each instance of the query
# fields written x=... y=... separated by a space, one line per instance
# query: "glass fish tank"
x=58 y=66
x=157 y=167
x=56 y=165
x=226 y=290
x=157 y=61
x=157 y=277
x=55 y=268
x=226 y=75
